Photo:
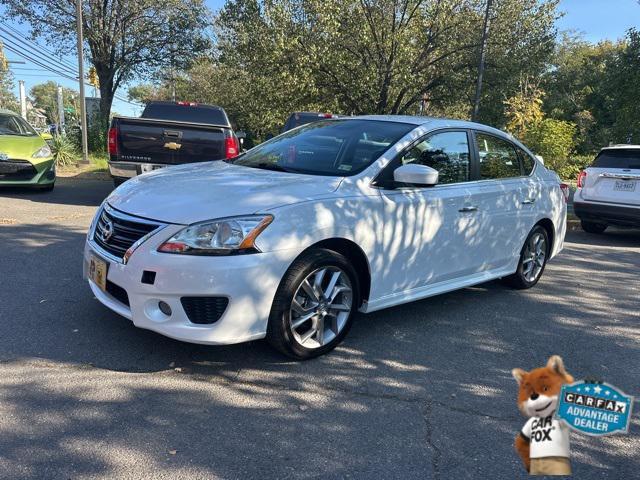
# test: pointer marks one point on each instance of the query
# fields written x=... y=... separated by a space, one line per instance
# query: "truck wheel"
x=591 y=227
x=118 y=181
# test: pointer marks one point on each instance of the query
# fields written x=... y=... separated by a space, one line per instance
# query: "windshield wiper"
x=270 y=166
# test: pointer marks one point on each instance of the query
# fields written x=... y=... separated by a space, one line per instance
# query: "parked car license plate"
x=625 y=186
x=98 y=272
x=147 y=167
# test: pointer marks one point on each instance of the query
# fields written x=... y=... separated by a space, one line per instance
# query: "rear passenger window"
x=618 y=158
x=498 y=158
x=446 y=152
x=527 y=162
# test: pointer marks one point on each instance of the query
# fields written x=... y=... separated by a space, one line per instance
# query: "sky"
x=595 y=20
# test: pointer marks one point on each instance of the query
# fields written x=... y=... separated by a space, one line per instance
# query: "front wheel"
x=533 y=259
x=314 y=306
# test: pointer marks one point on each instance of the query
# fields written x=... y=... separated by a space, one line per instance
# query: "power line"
x=37 y=59
x=39 y=47
x=18 y=42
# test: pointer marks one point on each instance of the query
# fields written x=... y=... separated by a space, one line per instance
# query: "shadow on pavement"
x=432 y=375
x=68 y=191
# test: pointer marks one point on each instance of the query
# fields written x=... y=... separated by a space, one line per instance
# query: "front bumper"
x=45 y=174
x=607 y=213
x=248 y=281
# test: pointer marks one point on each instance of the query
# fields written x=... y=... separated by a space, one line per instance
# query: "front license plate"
x=625 y=186
x=98 y=271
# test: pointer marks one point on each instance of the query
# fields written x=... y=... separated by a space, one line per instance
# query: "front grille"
x=17 y=170
x=117 y=292
x=204 y=310
x=116 y=235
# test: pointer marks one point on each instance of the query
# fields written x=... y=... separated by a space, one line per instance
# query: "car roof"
x=621 y=146
x=435 y=122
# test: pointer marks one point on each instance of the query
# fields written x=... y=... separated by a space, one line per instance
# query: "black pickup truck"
x=169 y=133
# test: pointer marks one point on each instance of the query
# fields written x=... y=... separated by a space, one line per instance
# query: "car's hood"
x=203 y=191
x=21 y=148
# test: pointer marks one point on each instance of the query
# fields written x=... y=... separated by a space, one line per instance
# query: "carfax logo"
x=595 y=408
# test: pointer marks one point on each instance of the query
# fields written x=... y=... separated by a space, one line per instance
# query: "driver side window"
x=446 y=152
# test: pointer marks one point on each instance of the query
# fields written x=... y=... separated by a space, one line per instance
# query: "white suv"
x=289 y=240
x=608 y=191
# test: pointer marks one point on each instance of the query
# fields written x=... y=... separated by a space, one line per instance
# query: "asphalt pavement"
x=422 y=390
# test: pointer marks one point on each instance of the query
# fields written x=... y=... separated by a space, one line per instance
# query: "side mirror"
x=540 y=159
x=416 y=175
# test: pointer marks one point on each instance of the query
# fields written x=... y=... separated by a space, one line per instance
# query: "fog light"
x=165 y=308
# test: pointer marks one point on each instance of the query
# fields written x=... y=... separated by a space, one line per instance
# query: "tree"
x=623 y=90
x=7 y=98
x=383 y=56
x=45 y=96
x=125 y=39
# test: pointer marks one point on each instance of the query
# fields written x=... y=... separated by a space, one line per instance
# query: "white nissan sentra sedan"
x=289 y=240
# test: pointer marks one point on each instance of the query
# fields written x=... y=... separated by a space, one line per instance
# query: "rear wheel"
x=314 y=306
x=591 y=227
x=118 y=181
x=533 y=259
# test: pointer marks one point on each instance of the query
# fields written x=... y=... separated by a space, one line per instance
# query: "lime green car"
x=25 y=157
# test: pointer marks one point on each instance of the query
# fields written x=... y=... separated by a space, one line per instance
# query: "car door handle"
x=528 y=201
x=469 y=208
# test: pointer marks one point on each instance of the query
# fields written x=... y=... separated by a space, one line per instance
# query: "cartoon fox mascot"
x=543 y=443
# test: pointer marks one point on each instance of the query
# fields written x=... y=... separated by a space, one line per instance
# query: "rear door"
x=614 y=177
x=507 y=199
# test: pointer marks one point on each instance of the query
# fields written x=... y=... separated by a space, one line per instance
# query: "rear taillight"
x=112 y=141
x=582 y=177
x=187 y=104
x=564 y=188
x=231 y=147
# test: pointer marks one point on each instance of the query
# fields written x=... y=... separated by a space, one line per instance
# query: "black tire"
x=519 y=279
x=591 y=227
x=118 y=181
x=48 y=188
x=279 y=331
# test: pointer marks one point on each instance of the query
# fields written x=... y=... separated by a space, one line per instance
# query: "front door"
x=430 y=233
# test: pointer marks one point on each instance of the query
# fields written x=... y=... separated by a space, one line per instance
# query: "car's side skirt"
x=407 y=296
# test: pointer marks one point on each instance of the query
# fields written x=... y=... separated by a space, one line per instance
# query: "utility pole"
x=23 y=99
x=60 y=111
x=83 y=109
x=483 y=50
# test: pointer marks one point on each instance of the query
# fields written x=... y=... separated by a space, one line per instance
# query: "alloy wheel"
x=534 y=257
x=321 y=307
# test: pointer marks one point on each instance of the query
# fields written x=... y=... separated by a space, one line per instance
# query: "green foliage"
x=7 y=98
x=570 y=168
x=45 y=96
x=553 y=140
x=354 y=57
x=125 y=39
x=64 y=150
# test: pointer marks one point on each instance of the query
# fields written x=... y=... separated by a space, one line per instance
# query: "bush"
x=571 y=166
x=64 y=150
x=554 y=140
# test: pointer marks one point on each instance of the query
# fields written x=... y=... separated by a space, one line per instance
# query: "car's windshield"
x=327 y=147
x=14 y=125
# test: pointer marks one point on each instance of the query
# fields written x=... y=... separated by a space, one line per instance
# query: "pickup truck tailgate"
x=171 y=143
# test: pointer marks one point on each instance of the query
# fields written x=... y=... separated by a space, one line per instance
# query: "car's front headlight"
x=218 y=237
x=42 y=152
